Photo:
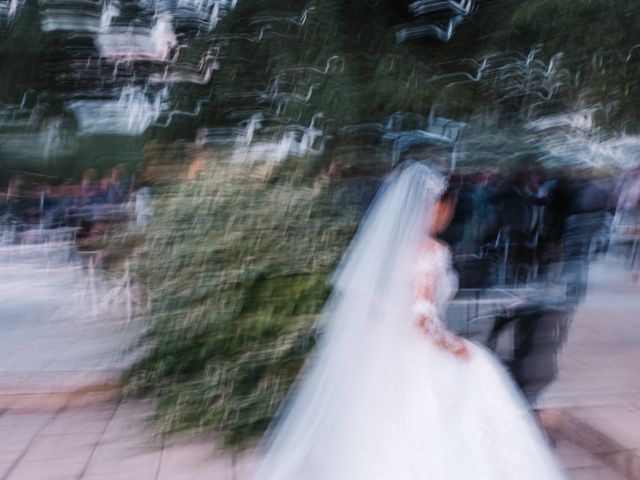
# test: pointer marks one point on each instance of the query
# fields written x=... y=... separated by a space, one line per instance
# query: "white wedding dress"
x=383 y=401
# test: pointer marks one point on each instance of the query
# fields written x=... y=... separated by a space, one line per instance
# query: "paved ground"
x=99 y=443
x=58 y=331
x=593 y=409
x=598 y=386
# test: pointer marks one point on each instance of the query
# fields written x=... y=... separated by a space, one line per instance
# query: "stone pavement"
x=56 y=336
x=597 y=393
x=99 y=443
x=592 y=412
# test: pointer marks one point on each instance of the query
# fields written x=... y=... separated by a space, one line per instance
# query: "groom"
x=539 y=329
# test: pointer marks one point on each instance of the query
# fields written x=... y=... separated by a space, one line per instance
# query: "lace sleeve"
x=425 y=310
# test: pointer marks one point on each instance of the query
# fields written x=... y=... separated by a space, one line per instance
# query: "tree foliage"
x=237 y=265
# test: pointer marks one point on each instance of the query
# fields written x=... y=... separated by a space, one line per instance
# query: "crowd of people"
x=528 y=228
x=87 y=208
x=533 y=225
x=511 y=229
x=531 y=229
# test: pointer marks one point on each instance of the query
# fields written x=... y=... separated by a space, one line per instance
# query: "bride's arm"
x=426 y=313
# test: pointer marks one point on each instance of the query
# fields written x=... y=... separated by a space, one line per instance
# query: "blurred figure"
x=87 y=190
x=102 y=195
x=12 y=195
x=474 y=231
x=627 y=219
x=79 y=213
x=628 y=205
x=24 y=199
x=539 y=330
x=118 y=188
x=142 y=206
x=389 y=378
x=522 y=203
x=558 y=208
x=485 y=215
x=586 y=230
x=196 y=167
x=11 y=223
x=514 y=232
x=61 y=199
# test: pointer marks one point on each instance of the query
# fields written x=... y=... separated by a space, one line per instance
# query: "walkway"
x=55 y=337
x=592 y=411
x=598 y=387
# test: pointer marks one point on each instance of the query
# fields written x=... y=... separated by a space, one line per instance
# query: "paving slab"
x=91 y=436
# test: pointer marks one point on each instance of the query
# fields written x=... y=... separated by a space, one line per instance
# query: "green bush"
x=236 y=266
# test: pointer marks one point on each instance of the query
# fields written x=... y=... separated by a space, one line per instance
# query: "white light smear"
x=136 y=52
x=298 y=21
x=200 y=74
x=403 y=131
x=254 y=145
x=139 y=43
x=255 y=142
x=51 y=140
x=205 y=13
x=9 y=9
x=19 y=116
x=72 y=16
x=429 y=22
x=581 y=121
x=130 y=114
x=93 y=16
x=514 y=75
x=575 y=139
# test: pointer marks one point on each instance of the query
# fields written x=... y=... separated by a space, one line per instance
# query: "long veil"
x=365 y=322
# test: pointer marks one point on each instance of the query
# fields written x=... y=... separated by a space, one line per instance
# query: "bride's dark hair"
x=450 y=193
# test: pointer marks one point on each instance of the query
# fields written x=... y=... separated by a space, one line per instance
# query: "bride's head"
x=442 y=212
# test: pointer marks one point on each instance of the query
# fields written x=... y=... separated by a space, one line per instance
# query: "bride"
x=390 y=393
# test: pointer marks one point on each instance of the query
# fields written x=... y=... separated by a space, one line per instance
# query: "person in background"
x=118 y=188
x=627 y=217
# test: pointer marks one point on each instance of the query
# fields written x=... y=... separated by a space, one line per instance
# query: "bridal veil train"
x=381 y=398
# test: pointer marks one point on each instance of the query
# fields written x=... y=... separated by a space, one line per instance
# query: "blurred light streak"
x=429 y=19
